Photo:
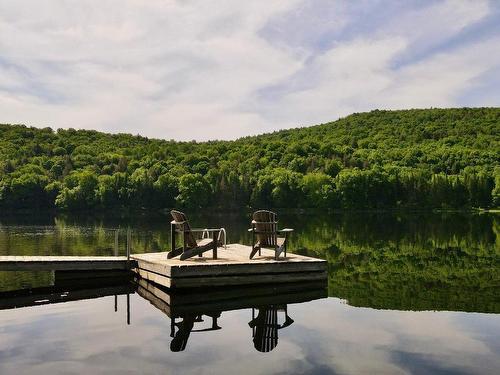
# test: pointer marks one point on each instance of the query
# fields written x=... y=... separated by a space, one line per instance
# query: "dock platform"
x=232 y=267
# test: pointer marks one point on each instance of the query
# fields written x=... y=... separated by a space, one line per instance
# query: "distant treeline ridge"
x=429 y=158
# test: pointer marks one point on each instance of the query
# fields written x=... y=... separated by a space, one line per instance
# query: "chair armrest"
x=177 y=222
x=251 y=229
x=264 y=222
x=205 y=229
x=285 y=230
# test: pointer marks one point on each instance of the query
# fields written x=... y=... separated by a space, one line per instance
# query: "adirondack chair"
x=265 y=233
x=265 y=327
x=190 y=246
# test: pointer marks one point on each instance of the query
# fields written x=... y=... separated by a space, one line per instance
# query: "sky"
x=199 y=70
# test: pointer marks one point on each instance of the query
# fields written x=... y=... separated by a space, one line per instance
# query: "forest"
x=409 y=159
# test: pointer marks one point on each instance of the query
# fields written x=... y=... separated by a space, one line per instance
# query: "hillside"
x=431 y=158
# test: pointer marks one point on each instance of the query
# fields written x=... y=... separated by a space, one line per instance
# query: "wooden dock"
x=64 y=263
x=232 y=267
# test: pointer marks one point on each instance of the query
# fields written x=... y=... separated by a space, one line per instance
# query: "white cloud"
x=194 y=69
x=359 y=74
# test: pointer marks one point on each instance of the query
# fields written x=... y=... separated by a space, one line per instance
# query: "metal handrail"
x=206 y=234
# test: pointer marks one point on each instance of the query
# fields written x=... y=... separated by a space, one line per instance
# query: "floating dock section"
x=232 y=267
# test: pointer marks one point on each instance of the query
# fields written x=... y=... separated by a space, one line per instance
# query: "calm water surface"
x=408 y=294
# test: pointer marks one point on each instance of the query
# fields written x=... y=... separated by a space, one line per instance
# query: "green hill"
x=429 y=158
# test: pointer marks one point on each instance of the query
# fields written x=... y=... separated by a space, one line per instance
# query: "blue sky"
x=224 y=69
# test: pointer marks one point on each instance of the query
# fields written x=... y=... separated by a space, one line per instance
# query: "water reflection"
x=187 y=309
x=265 y=326
x=447 y=261
x=409 y=293
x=327 y=336
x=190 y=309
x=185 y=326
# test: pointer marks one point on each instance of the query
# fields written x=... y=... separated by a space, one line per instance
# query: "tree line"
x=431 y=158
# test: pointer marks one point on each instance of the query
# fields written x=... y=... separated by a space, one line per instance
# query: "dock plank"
x=221 y=280
x=63 y=263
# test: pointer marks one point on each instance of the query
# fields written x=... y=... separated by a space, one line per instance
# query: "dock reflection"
x=191 y=311
x=193 y=308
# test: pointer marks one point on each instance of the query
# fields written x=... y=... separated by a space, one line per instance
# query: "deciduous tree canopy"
x=432 y=158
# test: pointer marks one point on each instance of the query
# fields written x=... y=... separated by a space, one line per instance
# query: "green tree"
x=80 y=191
x=319 y=190
x=194 y=191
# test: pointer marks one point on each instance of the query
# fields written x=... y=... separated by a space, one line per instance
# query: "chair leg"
x=255 y=249
x=172 y=237
x=277 y=251
x=215 y=248
x=172 y=327
x=253 y=244
x=175 y=252
x=193 y=252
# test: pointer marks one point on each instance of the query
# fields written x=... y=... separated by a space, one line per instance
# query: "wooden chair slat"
x=265 y=233
x=191 y=246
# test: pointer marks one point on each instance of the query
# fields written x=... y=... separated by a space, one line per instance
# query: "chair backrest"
x=265 y=222
x=182 y=224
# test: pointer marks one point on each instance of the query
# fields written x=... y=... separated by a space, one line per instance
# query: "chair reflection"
x=190 y=310
x=185 y=327
x=265 y=326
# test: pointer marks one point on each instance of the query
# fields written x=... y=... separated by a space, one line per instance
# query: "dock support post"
x=128 y=309
x=215 y=239
x=116 y=242
x=128 y=247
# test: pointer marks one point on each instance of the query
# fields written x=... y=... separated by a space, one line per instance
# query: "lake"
x=408 y=293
